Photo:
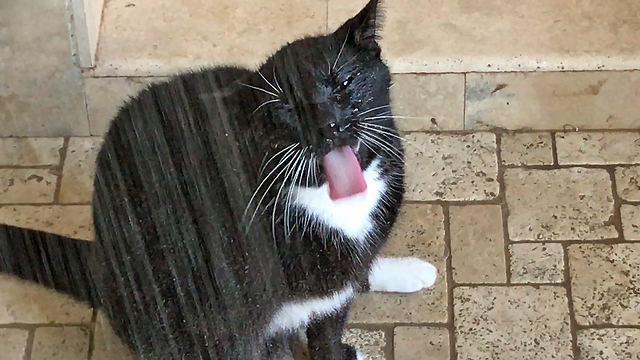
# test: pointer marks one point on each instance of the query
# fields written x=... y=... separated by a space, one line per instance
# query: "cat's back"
x=172 y=181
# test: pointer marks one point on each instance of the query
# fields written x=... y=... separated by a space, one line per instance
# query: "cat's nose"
x=337 y=132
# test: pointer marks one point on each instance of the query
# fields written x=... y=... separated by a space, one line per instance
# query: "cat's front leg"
x=401 y=274
x=324 y=338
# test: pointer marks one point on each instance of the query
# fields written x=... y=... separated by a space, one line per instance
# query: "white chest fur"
x=294 y=315
x=351 y=216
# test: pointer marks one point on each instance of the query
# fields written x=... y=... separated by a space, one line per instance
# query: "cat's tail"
x=57 y=262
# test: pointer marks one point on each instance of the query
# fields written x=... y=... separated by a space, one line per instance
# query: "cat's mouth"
x=343 y=173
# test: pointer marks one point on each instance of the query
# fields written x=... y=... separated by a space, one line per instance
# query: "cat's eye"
x=346 y=82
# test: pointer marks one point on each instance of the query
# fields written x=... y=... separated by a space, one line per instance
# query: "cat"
x=234 y=207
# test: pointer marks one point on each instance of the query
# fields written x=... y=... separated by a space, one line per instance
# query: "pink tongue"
x=343 y=173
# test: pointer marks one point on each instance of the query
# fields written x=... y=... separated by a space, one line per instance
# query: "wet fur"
x=212 y=236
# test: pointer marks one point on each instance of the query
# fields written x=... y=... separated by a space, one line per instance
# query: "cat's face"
x=331 y=92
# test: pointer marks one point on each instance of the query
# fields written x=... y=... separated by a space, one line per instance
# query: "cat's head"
x=329 y=101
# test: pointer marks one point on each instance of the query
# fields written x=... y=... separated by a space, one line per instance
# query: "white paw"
x=401 y=275
x=359 y=355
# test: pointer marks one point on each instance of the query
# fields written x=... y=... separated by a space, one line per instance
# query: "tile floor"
x=536 y=236
x=157 y=37
x=536 y=232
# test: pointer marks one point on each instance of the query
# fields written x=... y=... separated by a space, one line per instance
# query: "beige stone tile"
x=60 y=343
x=194 y=33
x=464 y=36
x=526 y=149
x=585 y=100
x=107 y=345
x=86 y=19
x=477 y=244
x=451 y=167
x=13 y=343
x=23 y=302
x=411 y=343
x=604 y=283
x=78 y=171
x=30 y=151
x=431 y=102
x=106 y=95
x=419 y=232
x=609 y=344
x=598 y=148
x=628 y=183
x=35 y=186
x=41 y=92
x=68 y=220
x=630 y=221
x=505 y=323
x=562 y=204
x=369 y=343
x=537 y=263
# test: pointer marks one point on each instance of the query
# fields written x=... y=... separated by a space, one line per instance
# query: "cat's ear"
x=363 y=30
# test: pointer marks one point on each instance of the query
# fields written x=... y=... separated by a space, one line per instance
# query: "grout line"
x=86 y=105
x=554 y=149
x=63 y=156
x=527 y=72
x=464 y=102
x=450 y=284
x=616 y=218
x=606 y=326
x=49 y=137
x=29 y=326
x=504 y=209
x=92 y=334
x=327 y=17
x=29 y=167
x=46 y=204
x=572 y=319
x=578 y=241
x=488 y=284
x=496 y=130
x=390 y=346
x=568 y=166
x=393 y=325
x=28 y=350
x=494 y=201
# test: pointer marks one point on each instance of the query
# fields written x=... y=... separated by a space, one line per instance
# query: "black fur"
x=180 y=264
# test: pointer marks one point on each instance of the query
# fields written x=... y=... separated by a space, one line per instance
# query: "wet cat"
x=234 y=207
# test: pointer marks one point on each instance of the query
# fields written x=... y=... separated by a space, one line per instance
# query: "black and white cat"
x=234 y=207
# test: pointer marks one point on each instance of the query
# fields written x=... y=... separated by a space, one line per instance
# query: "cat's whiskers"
x=385 y=131
x=310 y=176
x=386 y=117
x=348 y=61
x=290 y=190
x=367 y=145
x=287 y=155
x=340 y=52
x=267 y=81
x=292 y=165
x=275 y=156
x=380 y=143
x=374 y=109
x=384 y=144
x=265 y=103
x=260 y=89
x=275 y=79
